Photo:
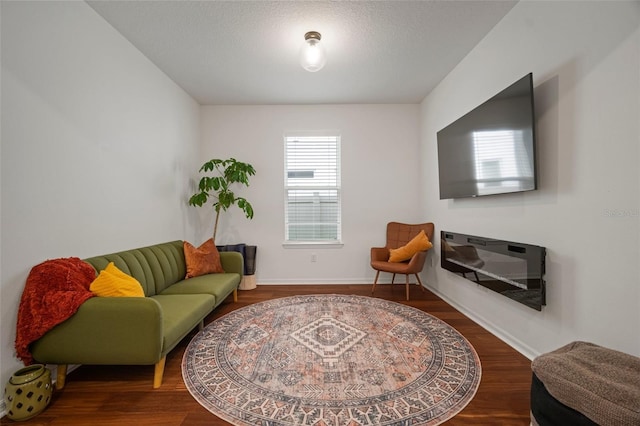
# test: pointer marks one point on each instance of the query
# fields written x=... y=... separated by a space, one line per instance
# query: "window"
x=312 y=189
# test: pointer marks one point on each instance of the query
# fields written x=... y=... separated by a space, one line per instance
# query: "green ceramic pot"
x=28 y=392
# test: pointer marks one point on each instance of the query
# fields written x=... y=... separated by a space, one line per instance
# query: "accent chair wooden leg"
x=375 y=282
x=419 y=282
x=61 y=376
x=407 y=284
x=235 y=295
x=159 y=372
x=201 y=325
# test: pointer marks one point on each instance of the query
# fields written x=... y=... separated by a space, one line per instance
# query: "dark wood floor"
x=122 y=395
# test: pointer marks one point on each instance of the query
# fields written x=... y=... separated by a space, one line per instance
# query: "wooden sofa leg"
x=375 y=282
x=158 y=373
x=235 y=295
x=61 y=376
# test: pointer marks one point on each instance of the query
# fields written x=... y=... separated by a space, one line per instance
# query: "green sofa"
x=139 y=330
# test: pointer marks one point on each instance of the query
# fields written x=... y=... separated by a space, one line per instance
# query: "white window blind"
x=312 y=189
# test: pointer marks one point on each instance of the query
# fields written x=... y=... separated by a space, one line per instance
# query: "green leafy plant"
x=218 y=187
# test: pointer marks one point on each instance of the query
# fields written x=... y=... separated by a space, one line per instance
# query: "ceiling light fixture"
x=312 y=54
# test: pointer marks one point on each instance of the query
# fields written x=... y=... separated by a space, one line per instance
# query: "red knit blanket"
x=54 y=291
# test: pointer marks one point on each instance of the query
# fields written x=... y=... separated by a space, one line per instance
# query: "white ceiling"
x=246 y=52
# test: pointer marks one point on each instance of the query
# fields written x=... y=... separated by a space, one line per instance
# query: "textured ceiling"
x=246 y=52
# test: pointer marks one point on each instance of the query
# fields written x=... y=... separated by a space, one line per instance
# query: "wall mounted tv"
x=491 y=149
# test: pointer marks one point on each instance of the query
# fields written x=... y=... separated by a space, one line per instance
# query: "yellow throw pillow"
x=202 y=260
x=112 y=282
x=419 y=243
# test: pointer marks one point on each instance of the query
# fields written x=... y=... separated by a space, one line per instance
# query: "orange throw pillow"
x=202 y=260
x=419 y=243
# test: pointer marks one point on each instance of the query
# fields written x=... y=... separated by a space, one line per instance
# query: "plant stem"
x=215 y=226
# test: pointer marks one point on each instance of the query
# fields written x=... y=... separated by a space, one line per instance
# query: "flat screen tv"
x=491 y=149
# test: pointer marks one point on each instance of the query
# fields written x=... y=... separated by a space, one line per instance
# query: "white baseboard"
x=510 y=340
x=312 y=281
x=346 y=281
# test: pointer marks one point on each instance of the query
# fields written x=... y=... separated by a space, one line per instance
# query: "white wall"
x=100 y=151
x=97 y=147
x=585 y=58
x=380 y=182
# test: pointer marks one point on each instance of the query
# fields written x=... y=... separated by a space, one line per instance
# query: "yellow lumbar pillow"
x=419 y=243
x=112 y=282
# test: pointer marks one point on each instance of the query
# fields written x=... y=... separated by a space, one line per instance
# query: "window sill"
x=312 y=244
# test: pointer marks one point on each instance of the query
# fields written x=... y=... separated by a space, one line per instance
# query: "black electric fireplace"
x=512 y=269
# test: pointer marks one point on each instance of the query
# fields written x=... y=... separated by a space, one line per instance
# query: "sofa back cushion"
x=155 y=267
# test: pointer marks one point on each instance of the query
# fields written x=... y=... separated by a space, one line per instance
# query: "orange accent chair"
x=398 y=235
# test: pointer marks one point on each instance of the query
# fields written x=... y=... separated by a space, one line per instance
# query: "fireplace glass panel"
x=512 y=269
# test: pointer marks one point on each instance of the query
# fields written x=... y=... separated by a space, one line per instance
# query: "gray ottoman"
x=585 y=384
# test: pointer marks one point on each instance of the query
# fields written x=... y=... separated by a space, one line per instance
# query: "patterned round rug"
x=331 y=360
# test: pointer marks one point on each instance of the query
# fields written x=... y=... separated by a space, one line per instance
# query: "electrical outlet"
x=314 y=257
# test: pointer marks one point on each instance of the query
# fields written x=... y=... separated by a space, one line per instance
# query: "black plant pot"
x=248 y=254
x=250 y=260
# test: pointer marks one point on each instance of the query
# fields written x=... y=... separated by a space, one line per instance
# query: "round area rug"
x=331 y=360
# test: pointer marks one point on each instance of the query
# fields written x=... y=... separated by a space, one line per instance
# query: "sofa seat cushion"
x=180 y=314
x=218 y=285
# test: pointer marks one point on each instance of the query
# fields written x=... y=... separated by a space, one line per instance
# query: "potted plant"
x=218 y=187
